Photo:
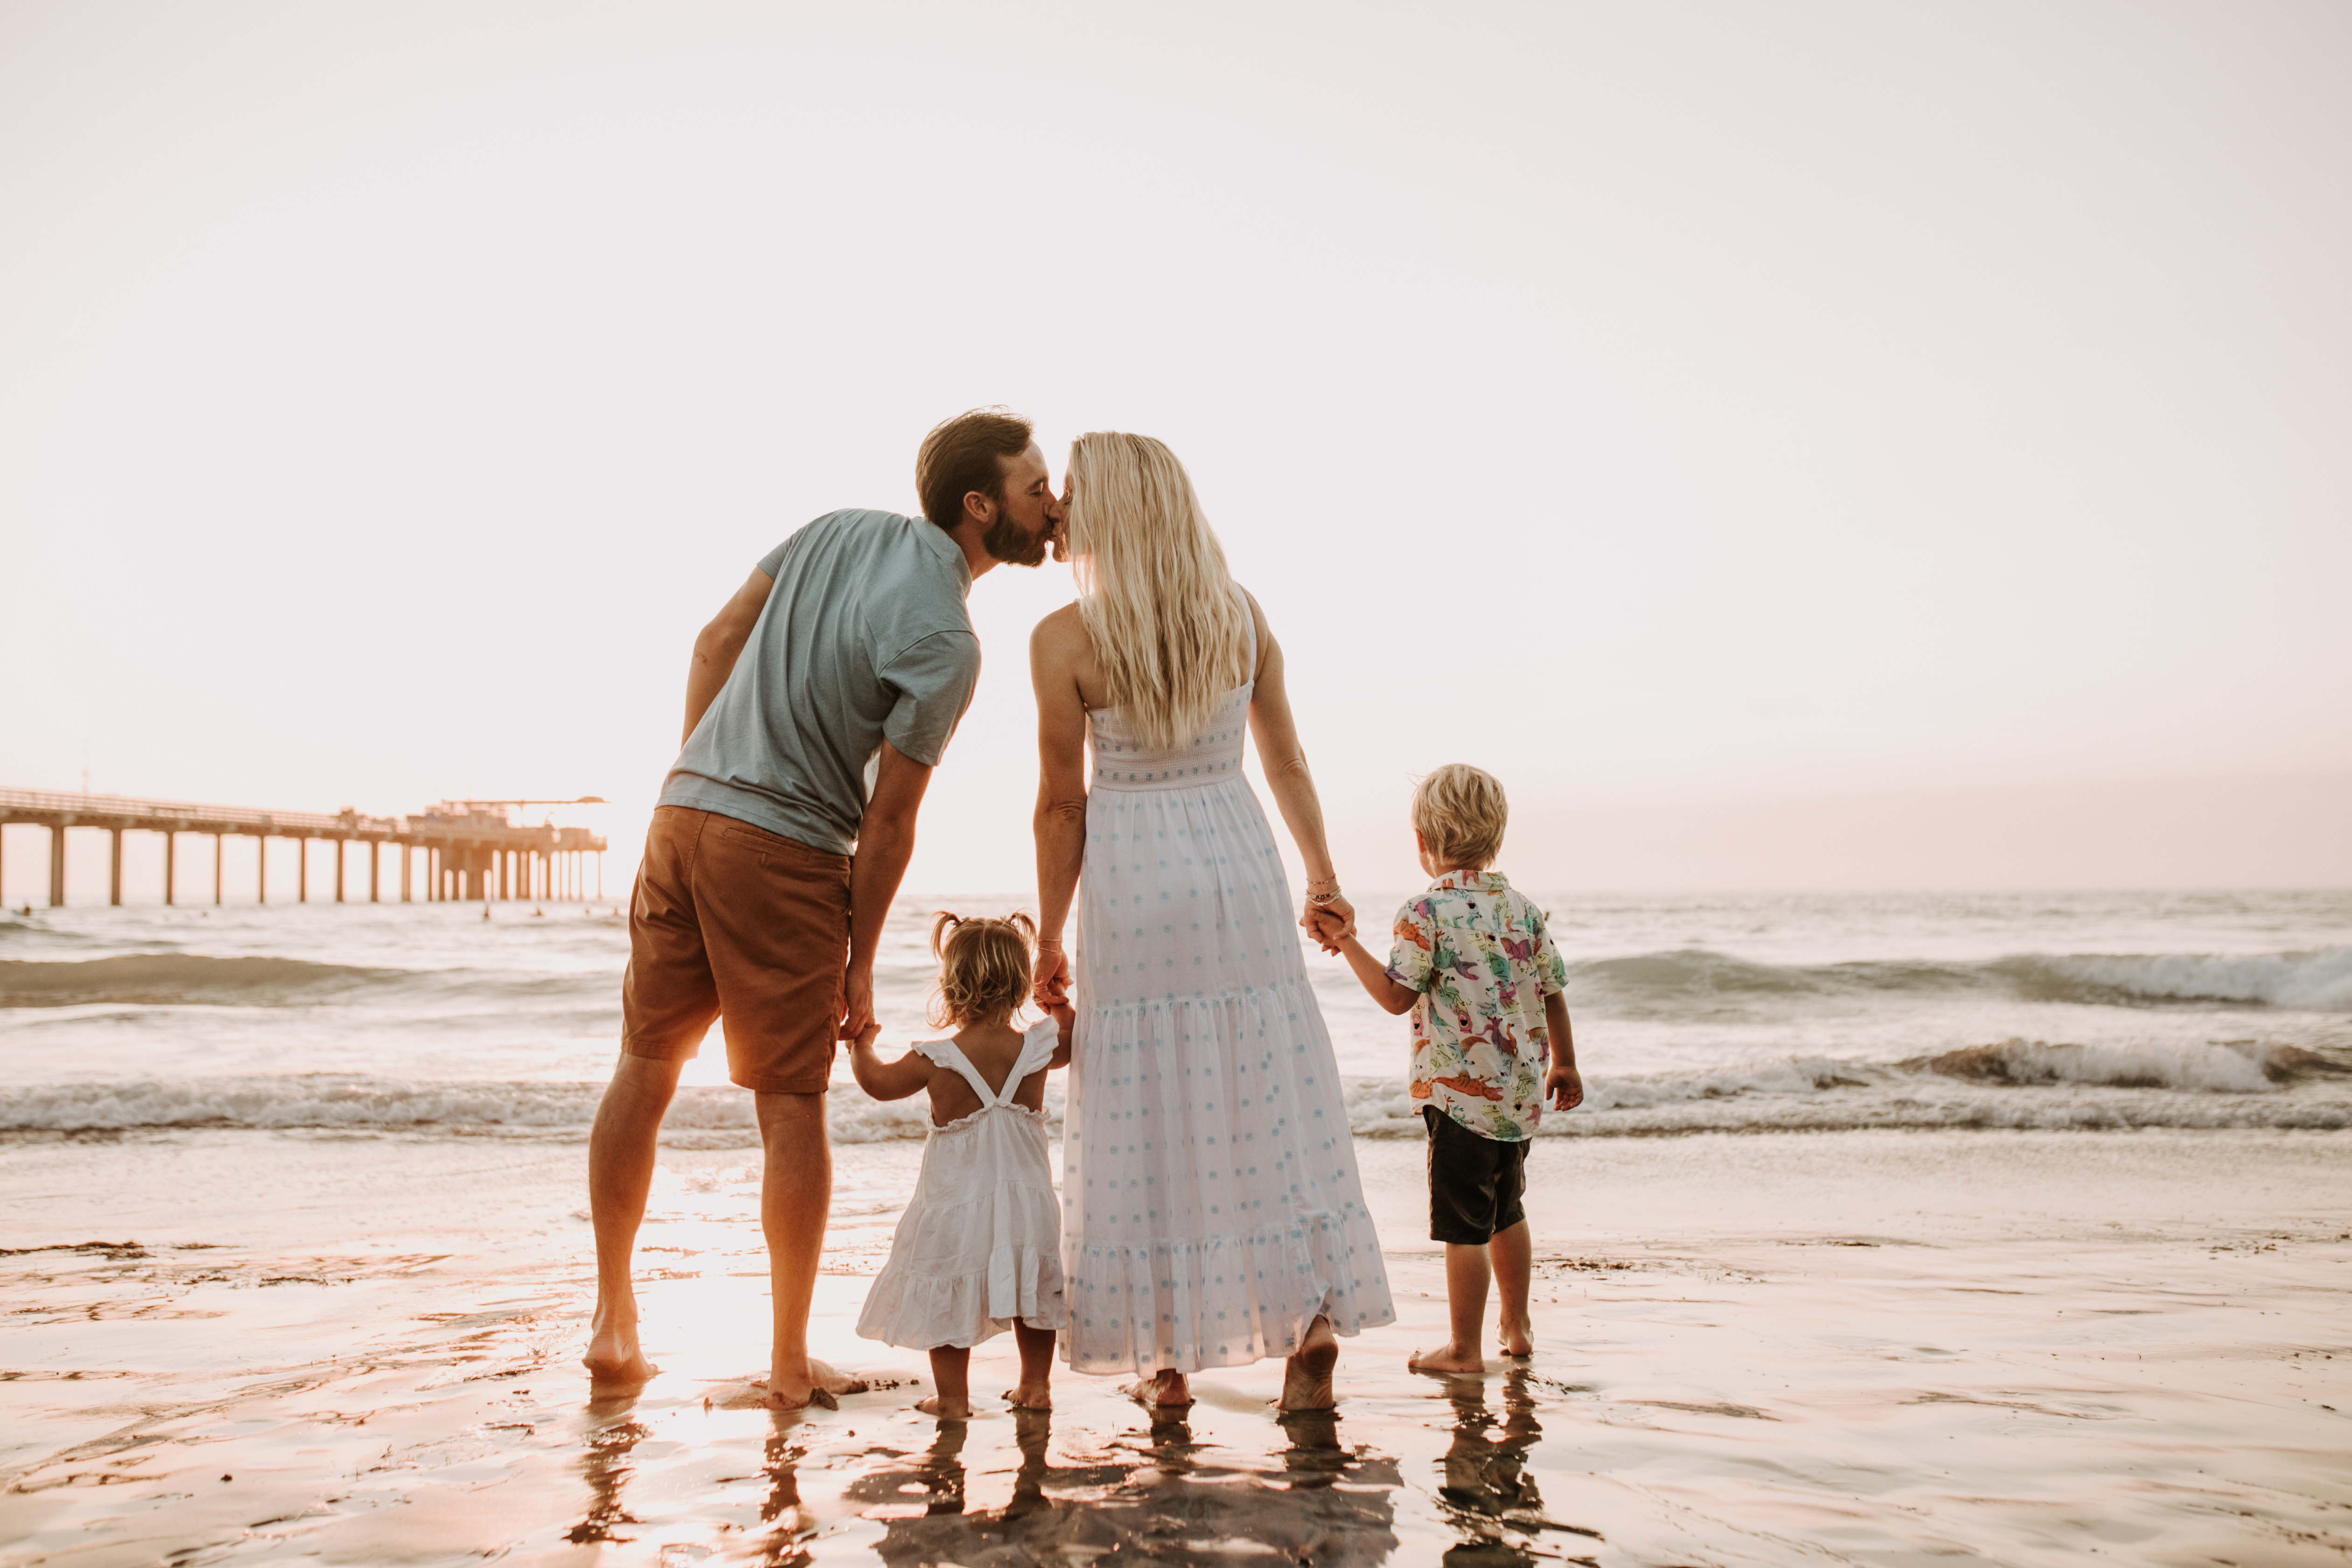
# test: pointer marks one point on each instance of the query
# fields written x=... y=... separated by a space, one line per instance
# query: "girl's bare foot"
x=1163 y=1391
x=1447 y=1360
x=944 y=1409
x=1307 y=1375
x=1029 y=1396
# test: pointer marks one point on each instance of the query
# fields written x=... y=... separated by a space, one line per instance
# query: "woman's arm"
x=886 y=1080
x=1054 y=649
x=1285 y=762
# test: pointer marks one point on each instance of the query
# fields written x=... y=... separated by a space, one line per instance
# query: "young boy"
x=1476 y=969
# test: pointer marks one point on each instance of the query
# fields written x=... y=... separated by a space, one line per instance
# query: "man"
x=817 y=703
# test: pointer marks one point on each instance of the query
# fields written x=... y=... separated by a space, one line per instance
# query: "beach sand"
x=1884 y=1348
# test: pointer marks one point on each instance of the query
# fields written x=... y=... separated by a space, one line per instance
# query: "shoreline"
x=1821 y=1347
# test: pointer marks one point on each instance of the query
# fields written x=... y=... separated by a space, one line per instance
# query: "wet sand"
x=1861 y=1347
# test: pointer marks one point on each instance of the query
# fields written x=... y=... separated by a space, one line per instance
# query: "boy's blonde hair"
x=1459 y=811
x=983 y=968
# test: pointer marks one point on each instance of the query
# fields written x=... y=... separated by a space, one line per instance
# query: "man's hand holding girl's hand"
x=856 y=1004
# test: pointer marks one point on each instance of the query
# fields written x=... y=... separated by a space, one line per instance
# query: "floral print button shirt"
x=1478 y=953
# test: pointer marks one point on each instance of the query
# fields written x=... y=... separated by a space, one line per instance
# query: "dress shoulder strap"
x=1038 y=1044
x=949 y=1054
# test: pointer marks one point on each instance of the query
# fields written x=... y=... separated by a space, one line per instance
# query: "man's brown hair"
x=964 y=454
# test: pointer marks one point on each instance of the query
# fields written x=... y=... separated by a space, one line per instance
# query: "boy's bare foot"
x=1307 y=1375
x=1161 y=1391
x=944 y=1409
x=824 y=1389
x=1029 y=1396
x=1519 y=1340
x=613 y=1356
x=1446 y=1360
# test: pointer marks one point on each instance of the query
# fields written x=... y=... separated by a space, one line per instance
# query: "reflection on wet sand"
x=1157 y=1492
x=787 y=1518
x=611 y=1435
x=1487 y=1493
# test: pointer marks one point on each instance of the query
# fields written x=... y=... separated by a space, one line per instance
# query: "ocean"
x=1693 y=1013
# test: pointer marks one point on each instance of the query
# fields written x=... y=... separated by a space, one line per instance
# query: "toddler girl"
x=980 y=1246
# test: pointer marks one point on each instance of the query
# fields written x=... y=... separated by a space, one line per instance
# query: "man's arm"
x=886 y=839
x=719 y=644
x=1373 y=975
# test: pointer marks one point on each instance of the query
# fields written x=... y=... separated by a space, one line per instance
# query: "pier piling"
x=470 y=849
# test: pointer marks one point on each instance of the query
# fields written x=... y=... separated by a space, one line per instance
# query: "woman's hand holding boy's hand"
x=1564 y=1088
x=1329 y=924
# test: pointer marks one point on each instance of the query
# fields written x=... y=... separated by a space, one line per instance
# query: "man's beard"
x=1008 y=542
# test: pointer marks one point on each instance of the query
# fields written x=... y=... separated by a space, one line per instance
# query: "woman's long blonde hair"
x=1170 y=628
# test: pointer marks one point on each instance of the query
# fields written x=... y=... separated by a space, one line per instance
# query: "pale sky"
x=1671 y=407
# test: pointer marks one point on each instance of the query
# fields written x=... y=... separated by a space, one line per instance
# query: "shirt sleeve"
x=1414 y=944
x=933 y=679
x=1551 y=973
x=772 y=561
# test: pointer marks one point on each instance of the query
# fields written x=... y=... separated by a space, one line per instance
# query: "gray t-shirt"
x=864 y=640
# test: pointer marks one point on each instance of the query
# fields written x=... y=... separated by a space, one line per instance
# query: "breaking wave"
x=2011 y=1084
x=181 y=979
x=2315 y=981
x=1679 y=983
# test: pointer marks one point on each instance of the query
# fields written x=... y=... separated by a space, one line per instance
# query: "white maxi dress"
x=977 y=1246
x=1211 y=1203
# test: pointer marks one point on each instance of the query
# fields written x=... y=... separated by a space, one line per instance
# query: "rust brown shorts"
x=732 y=921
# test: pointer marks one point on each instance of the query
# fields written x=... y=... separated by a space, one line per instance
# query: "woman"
x=1212 y=1210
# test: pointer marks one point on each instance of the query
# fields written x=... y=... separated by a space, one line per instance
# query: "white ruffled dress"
x=979 y=1244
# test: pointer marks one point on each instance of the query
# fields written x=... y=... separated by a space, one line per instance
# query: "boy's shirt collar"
x=1468 y=881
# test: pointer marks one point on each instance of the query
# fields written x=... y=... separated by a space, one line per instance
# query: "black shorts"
x=1475 y=1183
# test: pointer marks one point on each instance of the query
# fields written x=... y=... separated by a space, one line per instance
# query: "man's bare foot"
x=1029 y=1396
x=1519 y=1340
x=1307 y=1375
x=824 y=1389
x=613 y=1356
x=1447 y=1360
x=1161 y=1391
x=944 y=1409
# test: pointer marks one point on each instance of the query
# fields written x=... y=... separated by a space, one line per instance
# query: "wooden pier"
x=468 y=850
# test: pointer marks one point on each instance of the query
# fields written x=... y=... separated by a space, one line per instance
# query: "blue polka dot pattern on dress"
x=1197 y=1230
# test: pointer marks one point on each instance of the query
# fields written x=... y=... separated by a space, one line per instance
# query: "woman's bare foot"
x=1447 y=1360
x=944 y=1409
x=613 y=1356
x=1519 y=1340
x=1163 y=1391
x=1307 y=1375
x=1029 y=1396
